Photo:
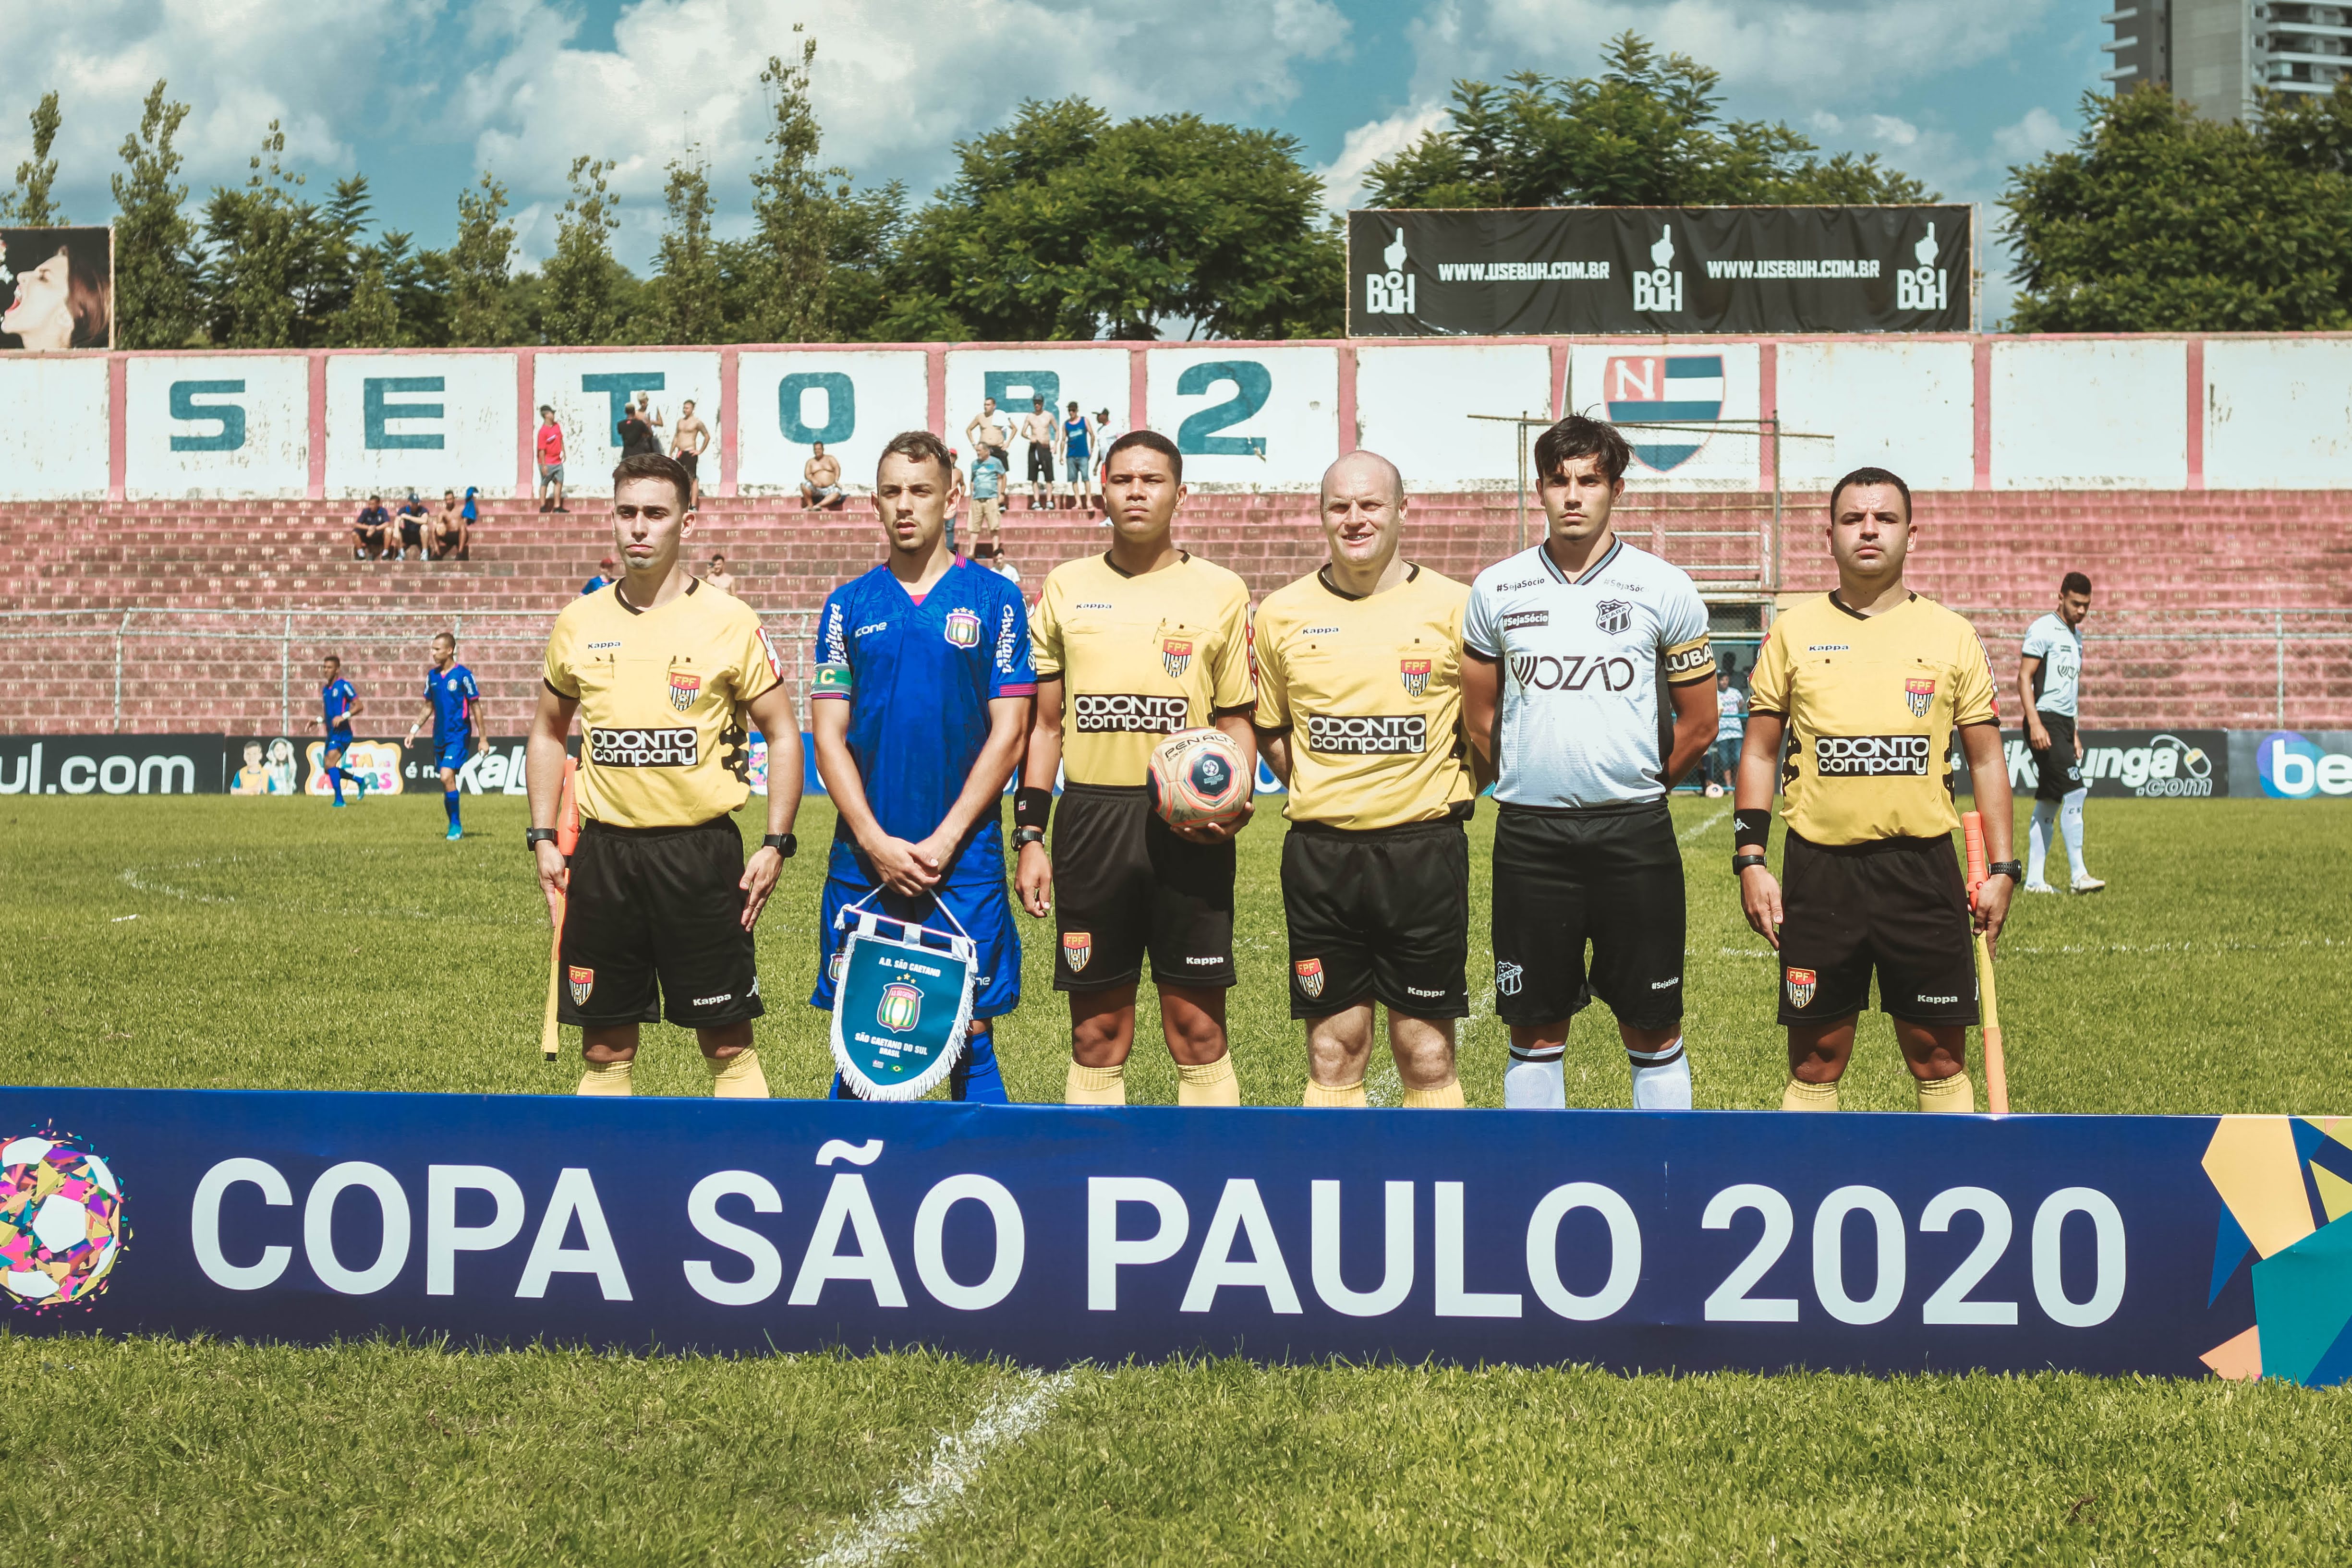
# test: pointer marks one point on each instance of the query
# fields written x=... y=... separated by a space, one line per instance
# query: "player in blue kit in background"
x=921 y=710
x=453 y=704
x=337 y=703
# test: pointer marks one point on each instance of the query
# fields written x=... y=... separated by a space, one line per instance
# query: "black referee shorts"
x=661 y=906
x=1378 y=916
x=1609 y=876
x=2058 y=771
x=1898 y=906
x=1125 y=886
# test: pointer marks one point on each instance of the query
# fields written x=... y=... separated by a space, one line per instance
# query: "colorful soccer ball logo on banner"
x=60 y=1222
x=1198 y=776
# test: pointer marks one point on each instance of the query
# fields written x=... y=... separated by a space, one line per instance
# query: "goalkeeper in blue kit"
x=921 y=710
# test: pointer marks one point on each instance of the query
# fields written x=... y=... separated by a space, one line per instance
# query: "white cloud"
x=1369 y=143
x=2036 y=133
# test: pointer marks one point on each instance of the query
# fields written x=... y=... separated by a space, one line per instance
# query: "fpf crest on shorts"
x=1077 y=947
x=583 y=983
x=1310 y=976
x=1802 y=984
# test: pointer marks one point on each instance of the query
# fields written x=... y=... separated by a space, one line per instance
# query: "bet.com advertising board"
x=2171 y=1246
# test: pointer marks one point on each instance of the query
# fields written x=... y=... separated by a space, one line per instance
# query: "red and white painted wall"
x=1950 y=413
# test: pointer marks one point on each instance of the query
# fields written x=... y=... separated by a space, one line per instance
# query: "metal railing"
x=2308 y=648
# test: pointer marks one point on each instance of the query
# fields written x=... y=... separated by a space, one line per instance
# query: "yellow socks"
x=737 y=1078
x=1444 y=1097
x=606 y=1078
x=1347 y=1096
x=1212 y=1084
x=1096 y=1086
x=1801 y=1095
x=1948 y=1095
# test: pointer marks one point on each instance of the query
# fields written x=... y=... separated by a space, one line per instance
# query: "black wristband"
x=1741 y=863
x=1751 y=830
x=1031 y=807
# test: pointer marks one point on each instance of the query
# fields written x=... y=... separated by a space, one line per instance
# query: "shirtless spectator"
x=551 y=462
x=688 y=443
x=988 y=428
x=717 y=576
x=821 y=481
x=445 y=536
x=373 y=532
x=1043 y=432
x=412 y=526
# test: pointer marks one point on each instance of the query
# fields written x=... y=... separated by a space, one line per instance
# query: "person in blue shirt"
x=603 y=578
x=453 y=704
x=337 y=703
x=921 y=709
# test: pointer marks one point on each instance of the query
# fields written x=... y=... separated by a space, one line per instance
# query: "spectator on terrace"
x=551 y=462
x=445 y=535
x=717 y=576
x=821 y=481
x=603 y=578
x=373 y=532
x=990 y=554
x=637 y=431
x=987 y=495
x=471 y=511
x=412 y=528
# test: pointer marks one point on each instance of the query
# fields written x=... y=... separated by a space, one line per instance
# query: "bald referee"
x=662 y=670
x=1868 y=684
x=1360 y=713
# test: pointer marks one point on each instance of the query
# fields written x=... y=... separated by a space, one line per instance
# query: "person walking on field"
x=2050 y=689
x=667 y=680
x=1867 y=684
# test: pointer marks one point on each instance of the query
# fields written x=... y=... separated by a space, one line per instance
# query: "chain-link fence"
x=2211 y=668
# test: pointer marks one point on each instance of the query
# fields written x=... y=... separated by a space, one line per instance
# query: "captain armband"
x=1751 y=830
x=1031 y=807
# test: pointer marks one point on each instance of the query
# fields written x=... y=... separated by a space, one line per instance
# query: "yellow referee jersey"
x=661 y=694
x=1371 y=690
x=1871 y=703
x=1140 y=658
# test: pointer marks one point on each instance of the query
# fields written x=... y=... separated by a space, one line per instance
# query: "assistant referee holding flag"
x=662 y=670
x=1868 y=683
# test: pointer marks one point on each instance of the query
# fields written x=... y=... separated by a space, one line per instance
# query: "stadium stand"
x=2205 y=592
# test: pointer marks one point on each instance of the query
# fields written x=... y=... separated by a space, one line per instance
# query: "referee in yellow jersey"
x=662 y=670
x=1868 y=685
x=1360 y=713
x=1130 y=646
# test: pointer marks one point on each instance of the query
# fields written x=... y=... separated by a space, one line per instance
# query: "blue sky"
x=421 y=94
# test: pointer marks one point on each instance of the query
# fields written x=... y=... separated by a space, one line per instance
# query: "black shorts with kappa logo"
x=2058 y=772
x=657 y=906
x=1611 y=876
x=1124 y=885
x=1898 y=906
x=1381 y=915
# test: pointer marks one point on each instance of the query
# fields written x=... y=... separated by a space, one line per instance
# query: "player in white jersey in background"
x=2050 y=689
x=1589 y=684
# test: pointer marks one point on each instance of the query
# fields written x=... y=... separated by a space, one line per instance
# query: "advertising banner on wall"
x=2171 y=1246
x=2291 y=765
x=58 y=285
x=1476 y=272
x=112 y=764
x=2141 y=764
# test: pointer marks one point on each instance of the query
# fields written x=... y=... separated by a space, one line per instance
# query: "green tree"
x=370 y=319
x=419 y=284
x=1064 y=224
x=276 y=264
x=477 y=269
x=787 y=263
x=2158 y=220
x=585 y=296
x=158 y=300
x=29 y=202
x=690 y=303
x=1647 y=131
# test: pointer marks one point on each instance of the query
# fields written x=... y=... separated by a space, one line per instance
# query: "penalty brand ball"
x=1198 y=776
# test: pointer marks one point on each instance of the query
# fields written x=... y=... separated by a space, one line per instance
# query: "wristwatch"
x=784 y=845
x=2013 y=870
x=1023 y=837
x=1741 y=862
x=534 y=837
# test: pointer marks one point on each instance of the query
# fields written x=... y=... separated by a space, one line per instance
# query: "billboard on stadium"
x=58 y=288
x=1479 y=272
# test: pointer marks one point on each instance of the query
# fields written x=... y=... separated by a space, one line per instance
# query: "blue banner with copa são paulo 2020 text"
x=1635 y=1241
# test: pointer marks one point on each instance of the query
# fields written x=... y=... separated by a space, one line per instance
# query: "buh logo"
x=901 y=1008
x=1414 y=673
x=1659 y=291
x=684 y=687
x=1925 y=287
x=1391 y=293
x=1668 y=389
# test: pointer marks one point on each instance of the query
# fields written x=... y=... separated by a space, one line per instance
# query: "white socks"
x=1661 y=1078
x=1533 y=1080
x=2070 y=822
x=2037 y=839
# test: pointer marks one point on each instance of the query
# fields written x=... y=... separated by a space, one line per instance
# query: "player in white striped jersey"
x=1589 y=684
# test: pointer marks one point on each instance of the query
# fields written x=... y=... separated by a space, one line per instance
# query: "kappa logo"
x=1802 y=984
x=1613 y=617
x=1414 y=673
x=684 y=687
x=963 y=629
x=1920 y=696
x=1310 y=976
x=583 y=983
x=1176 y=656
x=901 y=1008
x=1077 y=947
x=1508 y=977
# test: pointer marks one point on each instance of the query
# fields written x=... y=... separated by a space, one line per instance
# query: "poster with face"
x=56 y=289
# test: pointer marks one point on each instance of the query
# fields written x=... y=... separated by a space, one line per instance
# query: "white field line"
x=956 y=1460
x=137 y=878
x=1697 y=829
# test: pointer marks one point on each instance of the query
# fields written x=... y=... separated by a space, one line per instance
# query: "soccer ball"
x=1199 y=776
x=60 y=1223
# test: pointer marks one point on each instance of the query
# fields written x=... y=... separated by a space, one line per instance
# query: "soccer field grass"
x=238 y=943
